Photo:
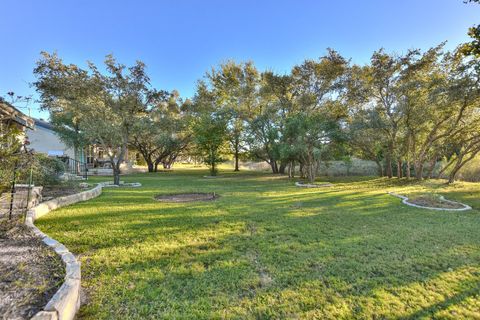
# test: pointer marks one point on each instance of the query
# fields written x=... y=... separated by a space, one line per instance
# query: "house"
x=43 y=139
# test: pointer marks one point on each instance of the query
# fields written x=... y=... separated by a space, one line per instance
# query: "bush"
x=46 y=171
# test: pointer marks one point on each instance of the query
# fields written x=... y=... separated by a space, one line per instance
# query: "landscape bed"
x=30 y=272
x=187 y=197
x=267 y=250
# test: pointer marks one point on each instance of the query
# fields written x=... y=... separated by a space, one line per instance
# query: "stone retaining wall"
x=66 y=301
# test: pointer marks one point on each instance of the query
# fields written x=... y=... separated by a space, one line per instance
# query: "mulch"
x=59 y=191
x=428 y=201
x=30 y=272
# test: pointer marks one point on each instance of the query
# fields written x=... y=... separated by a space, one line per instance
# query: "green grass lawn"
x=269 y=250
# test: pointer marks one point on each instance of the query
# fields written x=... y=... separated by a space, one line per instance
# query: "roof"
x=43 y=124
x=9 y=112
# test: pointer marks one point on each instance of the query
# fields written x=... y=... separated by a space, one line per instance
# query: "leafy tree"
x=63 y=92
x=464 y=98
x=100 y=108
x=265 y=127
x=162 y=132
x=235 y=89
x=210 y=127
x=473 y=47
x=315 y=123
x=312 y=136
x=363 y=137
x=210 y=132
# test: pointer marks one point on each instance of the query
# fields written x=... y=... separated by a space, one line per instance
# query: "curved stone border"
x=309 y=185
x=405 y=201
x=122 y=184
x=66 y=301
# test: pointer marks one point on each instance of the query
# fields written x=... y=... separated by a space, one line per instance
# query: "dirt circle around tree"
x=187 y=197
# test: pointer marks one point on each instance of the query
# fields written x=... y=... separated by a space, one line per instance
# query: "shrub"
x=46 y=170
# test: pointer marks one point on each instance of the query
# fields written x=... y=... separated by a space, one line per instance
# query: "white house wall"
x=45 y=141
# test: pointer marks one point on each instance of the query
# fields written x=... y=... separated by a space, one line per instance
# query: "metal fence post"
x=12 y=192
x=29 y=193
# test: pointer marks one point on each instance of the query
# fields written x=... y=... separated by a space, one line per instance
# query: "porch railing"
x=76 y=167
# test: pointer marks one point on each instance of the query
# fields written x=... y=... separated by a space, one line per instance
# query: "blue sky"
x=181 y=40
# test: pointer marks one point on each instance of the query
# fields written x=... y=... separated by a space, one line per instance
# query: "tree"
x=162 y=132
x=210 y=132
x=381 y=79
x=235 y=89
x=315 y=125
x=265 y=126
x=423 y=114
x=99 y=108
x=312 y=136
x=63 y=90
x=209 y=129
x=363 y=137
x=464 y=97
x=473 y=47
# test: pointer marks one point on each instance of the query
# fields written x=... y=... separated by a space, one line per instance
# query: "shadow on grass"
x=347 y=242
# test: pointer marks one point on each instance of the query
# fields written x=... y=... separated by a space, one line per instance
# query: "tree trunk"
x=149 y=165
x=291 y=169
x=213 y=171
x=458 y=165
x=273 y=165
x=283 y=166
x=389 y=166
x=452 y=176
x=236 y=155
x=311 y=172
x=431 y=168
x=399 y=169
x=419 y=171
x=155 y=166
x=407 y=170
x=116 y=174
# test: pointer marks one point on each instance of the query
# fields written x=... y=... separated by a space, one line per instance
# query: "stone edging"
x=122 y=184
x=405 y=201
x=66 y=301
x=308 y=185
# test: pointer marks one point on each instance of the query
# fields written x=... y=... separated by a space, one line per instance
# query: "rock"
x=45 y=315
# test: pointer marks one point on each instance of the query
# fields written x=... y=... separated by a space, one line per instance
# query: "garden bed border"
x=66 y=301
x=310 y=185
x=405 y=201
